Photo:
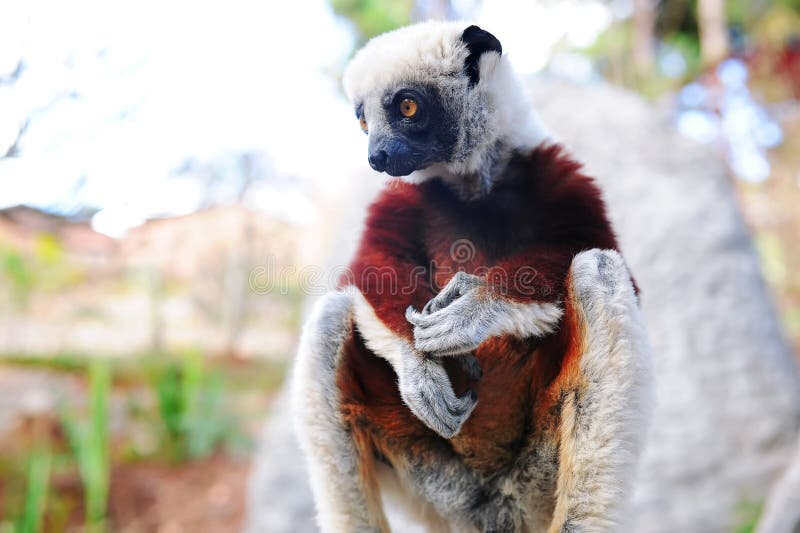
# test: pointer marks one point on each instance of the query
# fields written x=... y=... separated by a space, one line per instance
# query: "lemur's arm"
x=388 y=275
x=389 y=267
x=520 y=296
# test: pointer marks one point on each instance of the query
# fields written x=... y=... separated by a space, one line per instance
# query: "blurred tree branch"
x=13 y=76
x=13 y=150
x=644 y=23
x=713 y=29
x=10 y=79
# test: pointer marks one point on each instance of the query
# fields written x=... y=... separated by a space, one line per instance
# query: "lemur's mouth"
x=404 y=171
x=395 y=166
x=398 y=173
x=398 y=156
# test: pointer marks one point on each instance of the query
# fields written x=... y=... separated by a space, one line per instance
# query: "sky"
x=120 y=95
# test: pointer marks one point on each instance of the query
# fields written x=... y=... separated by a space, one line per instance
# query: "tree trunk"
x=644 y=22
x=713 y=31
x=782 y=511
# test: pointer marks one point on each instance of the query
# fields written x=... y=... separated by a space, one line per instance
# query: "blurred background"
x=174 y=180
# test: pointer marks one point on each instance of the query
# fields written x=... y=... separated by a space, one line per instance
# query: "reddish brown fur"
x=541 y=214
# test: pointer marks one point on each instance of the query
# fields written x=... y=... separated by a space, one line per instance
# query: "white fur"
x=526 y=320
x=378 y=338
x=416 y=53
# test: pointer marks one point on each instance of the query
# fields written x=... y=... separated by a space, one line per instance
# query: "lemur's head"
x=438 y=99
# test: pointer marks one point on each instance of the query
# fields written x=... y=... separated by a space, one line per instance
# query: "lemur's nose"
x=378 y=159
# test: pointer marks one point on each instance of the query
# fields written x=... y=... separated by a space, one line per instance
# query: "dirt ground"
x=201 y=496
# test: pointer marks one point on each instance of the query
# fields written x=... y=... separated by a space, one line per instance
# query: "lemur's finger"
x=413 y=316
x=430 y=306
x=426 y=390
x=456 y=308
x=458 y=286
x=421 y=320
x=436 y=344
x=449 y=412
x=447 y=295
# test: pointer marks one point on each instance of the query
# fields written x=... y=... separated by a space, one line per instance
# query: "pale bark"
x=713 y=30
x=644 y=22
x=781 y=514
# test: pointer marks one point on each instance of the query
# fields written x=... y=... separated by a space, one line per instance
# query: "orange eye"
x=408 y=107
x=363 y=122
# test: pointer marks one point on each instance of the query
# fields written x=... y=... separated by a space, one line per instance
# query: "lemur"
x=501 y=389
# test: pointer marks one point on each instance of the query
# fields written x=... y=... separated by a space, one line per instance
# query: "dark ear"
x=478 y=42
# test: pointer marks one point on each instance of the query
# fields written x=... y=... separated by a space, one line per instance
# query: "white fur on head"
x=494 y=116
x=414 y=53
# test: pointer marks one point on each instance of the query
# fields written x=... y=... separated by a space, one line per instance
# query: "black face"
x=419 y=132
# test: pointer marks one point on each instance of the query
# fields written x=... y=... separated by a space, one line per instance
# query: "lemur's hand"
x=427 y=391
x=455 y=321
x=466 y=313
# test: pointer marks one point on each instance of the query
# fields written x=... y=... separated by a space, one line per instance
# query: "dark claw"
x=471 y=366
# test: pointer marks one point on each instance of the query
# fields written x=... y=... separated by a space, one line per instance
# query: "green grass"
x=187 y=405
x=192 y=403
x=36 y=489
x=264 y=375
x=748 y=512
x=89 y=440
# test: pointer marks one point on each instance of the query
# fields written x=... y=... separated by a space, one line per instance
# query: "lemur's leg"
x=344 y=488
x=606 y=395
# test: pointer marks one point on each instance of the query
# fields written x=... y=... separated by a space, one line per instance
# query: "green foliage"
x=373 y=17
x=773 y=259
x=191 y=404
x=192 y=418
x=19 y=275
x=90 y=445
x=748 y=513
x=37 y=485
x=689 y=48
x=775 y=26
x=46 y=268
x=264 y=376
x=48 y=250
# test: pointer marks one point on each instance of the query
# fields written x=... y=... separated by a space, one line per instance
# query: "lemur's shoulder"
x=552 y=176
x=395 y=213
x=566 y=203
